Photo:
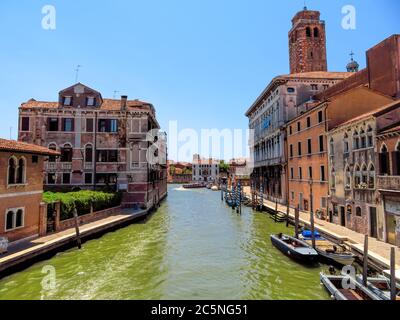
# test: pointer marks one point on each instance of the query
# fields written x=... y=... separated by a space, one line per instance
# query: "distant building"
x=21 y=189
x=104 y=144
x=179 y=172
x=205 y=170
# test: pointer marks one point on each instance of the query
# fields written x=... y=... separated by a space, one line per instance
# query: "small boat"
x=380 y=286
x=214 y=188
x=353 y=290
x=294 y=248
x=193 y=186
x=329 y=252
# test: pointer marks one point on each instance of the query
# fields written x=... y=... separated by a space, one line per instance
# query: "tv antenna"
x=115 y=94
x=77 y=72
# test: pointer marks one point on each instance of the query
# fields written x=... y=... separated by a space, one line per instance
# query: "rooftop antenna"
x=115 y=94
x=77 y=72
x=10 y=133
x=305 y=6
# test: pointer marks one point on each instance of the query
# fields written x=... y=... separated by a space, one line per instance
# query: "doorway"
x=391 y=228
x=373 y=222
x=342 y=216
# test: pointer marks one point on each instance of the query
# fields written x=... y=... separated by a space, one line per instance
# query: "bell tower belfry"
x=307 y=43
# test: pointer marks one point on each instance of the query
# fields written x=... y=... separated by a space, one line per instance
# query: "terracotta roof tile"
x=108 y=104
x=17 y=146
x=319 y=75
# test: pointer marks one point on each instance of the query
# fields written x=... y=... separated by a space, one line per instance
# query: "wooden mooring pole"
x=392 y=274
x=296 y=221
x=312 y=215
x=365 y=261
x=78 y=235
x=276 y=209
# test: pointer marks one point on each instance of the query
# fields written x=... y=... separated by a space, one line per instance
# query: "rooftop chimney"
x=124 y=100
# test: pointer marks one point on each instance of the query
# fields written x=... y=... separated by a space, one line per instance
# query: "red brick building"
x=21 y=189
x=104 y=144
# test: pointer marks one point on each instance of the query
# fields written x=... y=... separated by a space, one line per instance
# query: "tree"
x=223 y=167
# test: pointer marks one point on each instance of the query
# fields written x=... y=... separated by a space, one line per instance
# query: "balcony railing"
x=88 y=166
x=388 y=183
x=51 y=166
x=66 y=166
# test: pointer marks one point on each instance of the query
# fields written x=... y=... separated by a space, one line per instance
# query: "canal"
x=193 y=247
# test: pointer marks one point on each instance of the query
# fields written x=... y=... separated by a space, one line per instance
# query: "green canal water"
x=193 y=247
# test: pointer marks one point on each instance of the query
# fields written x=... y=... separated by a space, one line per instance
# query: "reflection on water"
x=194 y=247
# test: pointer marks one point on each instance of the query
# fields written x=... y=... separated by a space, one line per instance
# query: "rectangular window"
x=290 y=130
x=107 y=156
x=106 y=178
x=309 y=146
x=300 y=173
x=291 y=173
x=90 y=101
x=291 y=151
x=25 y=124
x=320 y=117
x=308 y=122
x=68 y=125
x=52 y=124
x=323 y=173
x=66 y=178
x=298 y=126
x=89 y=125
x=292 y=195
x=67 y=101
x=51 y=178
x=35 y=159
x=321 y=144
x=310 y=172
x=314 y=87
x=108 y=125
x=323 y=202
x=88 y=178
x=299 y=148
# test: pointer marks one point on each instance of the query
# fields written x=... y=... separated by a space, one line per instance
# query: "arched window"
x=358 y=212
x=371 y=176
x=396 y=160
x=52 y=146
x=331 y=147
x=316 y=32
x=384 y=161
x=66 y=153
x=348 y=178
x=10 y=220
x=89 y=153
x=333 y=179
x=357 y=177
x=308 y=32
x=370 y=137
x=19 y=219
x=356 y=140
x=21 y=171
x=364 y=174
x=346 y=143
x=363 y=139
x=12 y=167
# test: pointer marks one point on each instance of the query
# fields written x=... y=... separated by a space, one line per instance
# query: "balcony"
x=66 y=165
x=388 y=183
x=88 y=166
x=51 y=166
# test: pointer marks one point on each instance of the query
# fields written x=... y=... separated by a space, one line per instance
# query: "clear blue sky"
x=201 y=63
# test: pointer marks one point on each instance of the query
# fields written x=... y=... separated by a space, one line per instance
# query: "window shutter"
x=72 y=125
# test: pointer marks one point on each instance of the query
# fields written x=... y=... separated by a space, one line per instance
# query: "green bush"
x=83 y=201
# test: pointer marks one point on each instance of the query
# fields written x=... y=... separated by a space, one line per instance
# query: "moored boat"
x=380 y=286
x=328 y=251
x=346 y=288
x=294 y=248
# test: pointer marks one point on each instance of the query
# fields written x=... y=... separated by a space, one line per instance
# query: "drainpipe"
x=95 y=151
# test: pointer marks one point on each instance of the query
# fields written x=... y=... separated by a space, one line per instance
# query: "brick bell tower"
x=307 y=43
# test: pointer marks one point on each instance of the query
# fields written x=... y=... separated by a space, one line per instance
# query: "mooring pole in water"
x=365 y=261
x=312 y=215
x=276 y=209
x=393 y=288
x=287 y=211
x=78 y=236
x=239 y=198
x=296 y=221
x=261 y=196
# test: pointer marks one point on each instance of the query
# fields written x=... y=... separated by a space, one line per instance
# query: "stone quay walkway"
x=25 y=251
x=378 y=251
